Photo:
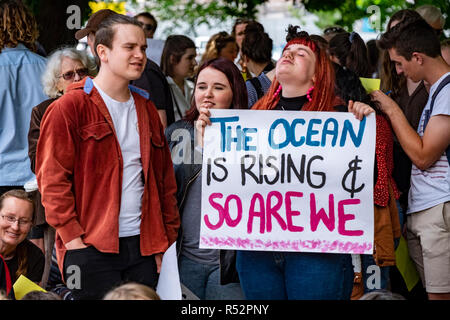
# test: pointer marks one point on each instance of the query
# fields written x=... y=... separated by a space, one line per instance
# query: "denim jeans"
x=294 y=275
x=204 y=281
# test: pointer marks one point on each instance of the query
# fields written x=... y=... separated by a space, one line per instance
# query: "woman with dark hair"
x=178 y=63
x=208 y=273
x=16 y=218
x=350 y=51
x=220 y=45
x=411 y=97
x=304 y=81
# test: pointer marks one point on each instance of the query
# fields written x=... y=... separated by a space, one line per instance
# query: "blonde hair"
x=53 y=69
x=215 y=44
x=132 y=291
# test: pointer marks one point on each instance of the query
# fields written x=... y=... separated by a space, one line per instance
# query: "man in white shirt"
x=415 y=50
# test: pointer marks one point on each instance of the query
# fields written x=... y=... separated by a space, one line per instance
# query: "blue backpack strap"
x=428 y=112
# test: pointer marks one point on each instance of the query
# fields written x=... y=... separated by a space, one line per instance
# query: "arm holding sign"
x=423 y=151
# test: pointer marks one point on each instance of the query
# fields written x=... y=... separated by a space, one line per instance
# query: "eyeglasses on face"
x=148 y=27
x=71 y=74
x=11 y=220
x=333 y=30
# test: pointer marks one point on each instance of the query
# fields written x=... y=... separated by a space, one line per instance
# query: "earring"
x=308 y=94
x=277 y=92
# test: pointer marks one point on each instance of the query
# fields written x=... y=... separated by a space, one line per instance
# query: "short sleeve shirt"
x=431 y=187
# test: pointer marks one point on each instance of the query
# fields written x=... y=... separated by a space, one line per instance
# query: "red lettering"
x=345 y=217
x=273 y=211
x=230 y=222
x=290 y=213
x=219 y=208
x=252 y=213
x=328 y=221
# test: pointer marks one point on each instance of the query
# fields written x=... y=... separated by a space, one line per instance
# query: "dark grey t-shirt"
x=190 y=222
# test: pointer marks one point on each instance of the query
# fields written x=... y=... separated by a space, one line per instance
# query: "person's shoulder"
x=33 y=250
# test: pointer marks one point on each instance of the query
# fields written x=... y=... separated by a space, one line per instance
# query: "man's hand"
x=158 y=259
x=76 y=243
x=385 y=103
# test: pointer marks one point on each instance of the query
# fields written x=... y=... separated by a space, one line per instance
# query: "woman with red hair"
x=304 y=81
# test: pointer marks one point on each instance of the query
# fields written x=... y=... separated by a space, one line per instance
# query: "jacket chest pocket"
x=96 y=131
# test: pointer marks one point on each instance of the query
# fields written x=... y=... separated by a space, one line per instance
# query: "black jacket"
x=187 y=163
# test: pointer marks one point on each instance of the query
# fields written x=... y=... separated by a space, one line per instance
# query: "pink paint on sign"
x=297 y=245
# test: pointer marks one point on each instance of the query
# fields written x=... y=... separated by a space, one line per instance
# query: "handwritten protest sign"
x=288 y=181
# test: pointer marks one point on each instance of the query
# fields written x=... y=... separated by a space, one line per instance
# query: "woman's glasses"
x=11 y=220
x=71 y=74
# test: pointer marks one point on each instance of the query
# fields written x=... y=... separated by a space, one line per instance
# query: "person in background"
x=445 y=50
x=330 y=32
x=238 y=32
x=16 y=218
x=41 y=295
x=178 y=63
x=220 y=45
x=209 y=273
x=132 y=291
x=257 y=55
x=433 y=16
x=149 y=23
x=20 y=91
x=350 y=51
x=374 y=58
x=64 y=66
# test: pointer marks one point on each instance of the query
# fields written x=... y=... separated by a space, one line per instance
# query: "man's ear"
x=102 y=52
x=418 y=57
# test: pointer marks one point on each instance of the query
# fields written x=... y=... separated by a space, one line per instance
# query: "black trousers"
x=90 y=274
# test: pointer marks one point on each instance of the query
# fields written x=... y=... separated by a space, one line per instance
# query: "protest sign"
x=288 y=181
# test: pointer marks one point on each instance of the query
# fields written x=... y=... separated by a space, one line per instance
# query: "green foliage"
x=346 y=12
x=195 y=12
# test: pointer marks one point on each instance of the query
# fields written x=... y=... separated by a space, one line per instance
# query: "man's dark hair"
x=257 y=44
x=105 y=33
x=407 y=38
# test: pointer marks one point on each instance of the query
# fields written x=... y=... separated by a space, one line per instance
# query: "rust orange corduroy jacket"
x=79 y=171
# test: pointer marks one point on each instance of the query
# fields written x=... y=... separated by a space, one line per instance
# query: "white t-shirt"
x=431 y=187
x=182 y=101
x=124 y=118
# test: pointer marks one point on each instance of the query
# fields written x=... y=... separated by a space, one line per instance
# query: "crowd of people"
x=89 y=155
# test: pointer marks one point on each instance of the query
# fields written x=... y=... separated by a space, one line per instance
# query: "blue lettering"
x=333 y=132
x=348 y=129
x=247 y=139
x=297 y=143
x=223 y=122
x=287 y=130
x=312 y=132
